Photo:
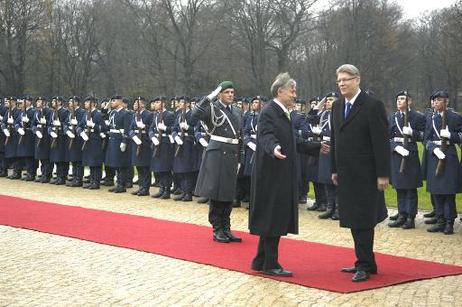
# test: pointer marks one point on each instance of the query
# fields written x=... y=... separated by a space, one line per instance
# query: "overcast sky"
x=414 y=8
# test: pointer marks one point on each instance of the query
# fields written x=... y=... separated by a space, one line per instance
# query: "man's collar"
x=281 y=105
x=352 y=100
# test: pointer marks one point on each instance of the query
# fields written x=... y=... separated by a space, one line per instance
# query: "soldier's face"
x=227 y=96
x=39 y=103
x=440 y=104
x=256 y=105
x=329 y=102
x=298 y=107
x=401 y=102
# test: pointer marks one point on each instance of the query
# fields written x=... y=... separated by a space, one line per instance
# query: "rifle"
x=39 y=123
x=8 y=126
x=444 y=144
x=140 y=136
x=159 y=136
x=55 y=117
x=182 y=119
x=23 y=124
x=405 y=137
x=72 y=116
x=88 y=128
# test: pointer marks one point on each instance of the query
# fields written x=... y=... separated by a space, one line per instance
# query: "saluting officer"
x=12 y=115
x=41 y=117
x=91 y=129
x=141 y=152
x=74 y=143
x=26 y=139
x=442 y=132
x=117 y=155
x=217 y=176
x=58 y=139
x=406 y=174
x=160 y=133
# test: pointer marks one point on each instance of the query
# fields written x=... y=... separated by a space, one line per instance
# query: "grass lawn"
x=424 y=196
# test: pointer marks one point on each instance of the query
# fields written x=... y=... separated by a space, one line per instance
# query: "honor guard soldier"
x=117 y=155
x=202 y=137
x=58 y=144
x=163 y=147
x=41 y=117
x=406 y=128
x=131 y=170
x=26 y=148
x=442 y=132
x=3 y=170
x=74 y=142
x=218 y=172
x=12 y=115
x=141 y=146
x=91 y=129
x=106 y=112
x=325 y=173
x=184 y=162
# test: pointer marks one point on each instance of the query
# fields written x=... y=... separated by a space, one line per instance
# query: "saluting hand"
x=382 y=183
x=277 y=153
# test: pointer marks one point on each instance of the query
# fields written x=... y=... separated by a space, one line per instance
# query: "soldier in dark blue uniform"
x=218 y=172
x=74 y=142
x=106 y=112
x=40 y=121
x=91 y=130
x=325 y=173
x=117 y=154
x=184 y=162
x=12 y=115
x=408 y=178
x=131 y=170
x=3 y=109
x=442 y=132
x=141 y=152
x=160 y=133
x=58 y=145
x=26 y=139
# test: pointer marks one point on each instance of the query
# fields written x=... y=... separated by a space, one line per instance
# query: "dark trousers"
x=62 y=169
x=144 y=177
x=77 y=170
x=407 y=202
x=122 y=176
x=96 y=172
x=130 y=174
x=364 y=245
x=2 y=162
x=110 y=173
x=331 y=195
x=242 y=187
x=46 y=168
x=320 y=193
x=220 y=213
x=164 y=179
x=445 y=205
x=267 y=254
x=186 y=181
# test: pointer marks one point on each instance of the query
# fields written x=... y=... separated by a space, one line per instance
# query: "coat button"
x=224 y=152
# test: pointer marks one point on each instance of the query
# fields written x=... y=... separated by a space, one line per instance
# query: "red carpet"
x=314 y=265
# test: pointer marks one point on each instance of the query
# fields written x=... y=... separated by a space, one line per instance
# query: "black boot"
x=178 y=197
x=430 y=214
x=313 y=207
x=143 y=192
x=335 y=216
x=409 y=224
x=398 y=223
x=187 y=197
x=449 y=227
x=328 y=213
x=438 y=227
x=231 y=236
x=219 y=235
x=393 y=217
x=322 y=208
x=159 y=193
x=166 y=194
x=431 y=221
x=203 y=200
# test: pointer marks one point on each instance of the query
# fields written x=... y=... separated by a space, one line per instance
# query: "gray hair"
x=349 y=69
x=284 y=81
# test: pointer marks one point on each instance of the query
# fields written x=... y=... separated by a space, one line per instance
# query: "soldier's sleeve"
x=418 y=132
x=456 y=135
x=427 y=135
x=201 y=110
x=176 y=125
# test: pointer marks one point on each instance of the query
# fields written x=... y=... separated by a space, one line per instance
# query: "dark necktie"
x=347 y=109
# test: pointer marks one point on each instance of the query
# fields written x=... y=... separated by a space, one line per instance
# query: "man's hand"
x=334 y=178
x=214 y=93
x=402 y=151
x=277 y=153
x=325 y=148
x=382 y=183
x=252 y=146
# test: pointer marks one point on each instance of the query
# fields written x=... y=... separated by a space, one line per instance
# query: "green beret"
x=226 y=85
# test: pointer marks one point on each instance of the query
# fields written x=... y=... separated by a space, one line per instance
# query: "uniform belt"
x=439 y=143
x=118 y=131
x=224 y=140
x=400 y=140
x=163 y=135
x=326 y=138
x=253 y=136
x=142 y=132
x=39 y=126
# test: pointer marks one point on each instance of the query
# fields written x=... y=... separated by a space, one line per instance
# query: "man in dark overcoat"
x=360 y=153
x=273 y=210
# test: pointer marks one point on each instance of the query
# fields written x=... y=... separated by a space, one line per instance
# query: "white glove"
x=102 y=135
x=123 y=147
x=252 y=146
x=1 y=118
x=74 y=122
x=56 y=123
x=84 y=136
x=407 y=130
x=438 y=153
x=70 y=134
x=90 y=123
x=184 y=126
x=137 y=140
x=25 y=119
x=161 y=126
x=10 y=120
x=444 y=133
x=203 y=142
x=170 y=138
x=140 y=124
x=155 y=141
x=43 y=121
x=214 y=93
x=53 y=134
x=402 y=151
x=316 y=130
x=21 y=131
x=178 y=140
x=107 y=122
x=39 y=134
x=6 y=132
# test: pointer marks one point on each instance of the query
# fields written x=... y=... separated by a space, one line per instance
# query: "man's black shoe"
x=278 y=272
x=256 y=268
x=430 y=214
x=360 y=276
x=313 y=207
x=108 y=183
x=93 y=186
x=448 y=229
x=220 y=237
x=322 y=208
x=30 y=178
x=438 y=227
x=335 y=216
x=354 y=270
x=143 y=193
x=166 y=195
x=409 y=224
x=398 y=223
x=202 y=200
x=178 y=197
x=75 y=184
x=231 y=236
x=187 y=197
x=431 y=221
x=326 y=214
x=120 y=189
x=393 y=217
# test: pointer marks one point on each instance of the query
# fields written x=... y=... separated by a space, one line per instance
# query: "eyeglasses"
x=345 y=80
